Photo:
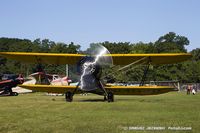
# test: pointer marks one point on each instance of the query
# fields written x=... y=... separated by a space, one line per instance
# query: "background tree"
x=171 y=43
x=141 y=47
x=113 y=47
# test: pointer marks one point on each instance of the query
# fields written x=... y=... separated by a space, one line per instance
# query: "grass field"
x=39 y=113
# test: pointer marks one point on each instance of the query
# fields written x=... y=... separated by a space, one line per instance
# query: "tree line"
x=188 y=71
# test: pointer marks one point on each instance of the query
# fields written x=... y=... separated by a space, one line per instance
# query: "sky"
x=87 y=21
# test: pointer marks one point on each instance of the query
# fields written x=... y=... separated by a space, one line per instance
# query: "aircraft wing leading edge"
x=154 y=59
x=118 y=59
x=46 y=58
x=118 y=90
x=139 y=90
x=49 y=88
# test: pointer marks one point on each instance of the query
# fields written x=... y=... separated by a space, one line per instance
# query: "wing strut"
x=76 y=87
x=133 y=63
x=145 y=72
x=140 y=61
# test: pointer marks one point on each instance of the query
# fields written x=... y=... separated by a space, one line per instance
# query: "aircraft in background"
x=50 y=79
x=40 y=78
x=90 y=68
x=8 y=82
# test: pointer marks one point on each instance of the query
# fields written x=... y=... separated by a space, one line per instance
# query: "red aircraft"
x=8 y=82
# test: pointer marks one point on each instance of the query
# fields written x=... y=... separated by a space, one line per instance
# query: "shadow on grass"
x=92 y=100
x=102 y=100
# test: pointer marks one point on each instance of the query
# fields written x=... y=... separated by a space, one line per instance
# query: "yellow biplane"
x=90 y=67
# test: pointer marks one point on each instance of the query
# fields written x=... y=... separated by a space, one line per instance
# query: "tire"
x=68 y=96
x=110 y=97
x=15 y=94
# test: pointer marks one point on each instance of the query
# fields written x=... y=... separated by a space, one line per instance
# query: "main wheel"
x=105 y=98
x=69 y=96
x=110 y=97
x=15 y=94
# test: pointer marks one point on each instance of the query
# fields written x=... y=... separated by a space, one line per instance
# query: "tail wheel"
x=68 y=96
x=110 y=97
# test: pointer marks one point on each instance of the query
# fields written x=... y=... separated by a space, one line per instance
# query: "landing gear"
x=69 y=96
x=110 y=97
x=105 y=98
x=14 y=94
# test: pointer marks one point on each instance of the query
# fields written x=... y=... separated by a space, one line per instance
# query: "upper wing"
x=47 y=58
x=118 y=59
x=154 y=59
x=139 y=90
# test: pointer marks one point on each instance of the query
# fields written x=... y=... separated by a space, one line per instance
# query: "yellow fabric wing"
x=47 y=58
x=139 y=90
x=118 y=59
x=49 y=88
x=117 y=90
x=154 y=59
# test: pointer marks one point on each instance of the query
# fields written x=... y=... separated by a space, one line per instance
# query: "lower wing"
x=117 y=90
x=49 y=88
x=140 y=90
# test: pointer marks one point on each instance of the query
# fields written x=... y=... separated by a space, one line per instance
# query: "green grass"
x=39 y=113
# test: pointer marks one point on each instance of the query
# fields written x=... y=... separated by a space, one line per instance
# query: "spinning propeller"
x=90 y=67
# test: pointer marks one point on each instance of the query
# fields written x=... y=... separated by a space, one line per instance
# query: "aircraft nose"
x=89 y=83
